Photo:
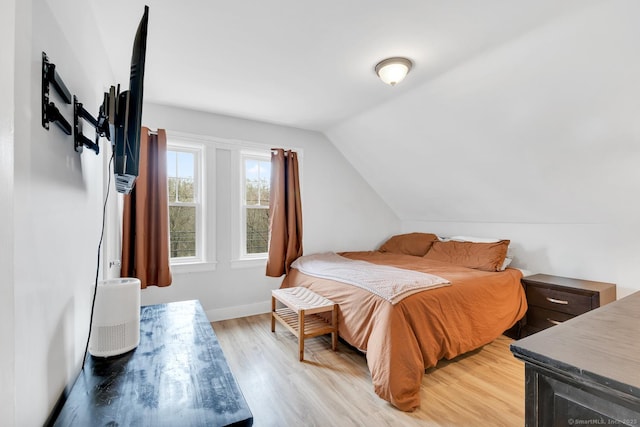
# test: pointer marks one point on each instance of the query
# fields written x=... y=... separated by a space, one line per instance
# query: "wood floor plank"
x=484 y=387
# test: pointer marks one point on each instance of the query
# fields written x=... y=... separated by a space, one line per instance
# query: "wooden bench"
x=300 y=315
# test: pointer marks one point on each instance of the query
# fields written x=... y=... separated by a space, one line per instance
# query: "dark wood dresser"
x=554 y=299
x=585 y=371
x=178 y=376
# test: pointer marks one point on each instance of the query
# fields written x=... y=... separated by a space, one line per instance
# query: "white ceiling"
x=542 y=128
x=301 y=63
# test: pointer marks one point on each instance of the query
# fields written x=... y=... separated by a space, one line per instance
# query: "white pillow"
x=474 y=239
x=506 y=262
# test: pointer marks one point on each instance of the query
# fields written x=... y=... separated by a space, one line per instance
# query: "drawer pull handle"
x=557 y=301
x=555 y=322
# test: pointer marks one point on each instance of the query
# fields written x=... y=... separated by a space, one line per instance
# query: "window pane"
x=171 y=164
x=173 y=182
x=186 y=168
x=182 y=231
x=186 y=164
x=264 y=192
x=257 y=179
x=257 y=230
x=186 y=190
x=252 y=183
x=251 y=169
x=252 y=192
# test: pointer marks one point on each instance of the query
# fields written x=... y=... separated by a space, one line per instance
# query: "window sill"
x=249 y=262
x=193 y=267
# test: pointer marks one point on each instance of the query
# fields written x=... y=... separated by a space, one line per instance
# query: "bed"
x=403 y=339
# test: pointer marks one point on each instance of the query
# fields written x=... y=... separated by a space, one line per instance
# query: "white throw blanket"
x=391 y=283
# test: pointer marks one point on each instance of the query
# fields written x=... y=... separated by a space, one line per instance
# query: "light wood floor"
x=484 y=387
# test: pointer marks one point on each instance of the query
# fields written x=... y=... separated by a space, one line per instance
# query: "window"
x=250 y=174
x=256 y=177
x=185 y=184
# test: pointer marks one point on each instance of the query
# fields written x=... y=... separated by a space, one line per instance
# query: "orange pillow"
x=481 y=256
x=416 y=244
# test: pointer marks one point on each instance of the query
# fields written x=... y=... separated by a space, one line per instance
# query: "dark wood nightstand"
x=553 y=299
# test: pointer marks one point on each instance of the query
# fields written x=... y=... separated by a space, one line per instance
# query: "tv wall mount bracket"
x=51 y=113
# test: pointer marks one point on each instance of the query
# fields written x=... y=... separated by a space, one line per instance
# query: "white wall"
x=57 y=206
x=340 y=210
x=536 y=140
x=7 y=330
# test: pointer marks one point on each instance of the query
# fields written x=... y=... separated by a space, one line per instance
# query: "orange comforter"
x=404 y=339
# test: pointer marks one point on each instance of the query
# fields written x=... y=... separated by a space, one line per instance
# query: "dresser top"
x=177 y=376
x=601 y=346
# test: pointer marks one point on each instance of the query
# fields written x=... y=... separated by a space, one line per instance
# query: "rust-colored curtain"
x=285 y=213
x=145 y=220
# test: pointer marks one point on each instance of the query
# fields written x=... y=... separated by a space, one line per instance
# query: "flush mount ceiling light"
x=393 y=70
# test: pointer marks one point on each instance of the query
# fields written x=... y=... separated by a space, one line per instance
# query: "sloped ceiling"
x=514 y=111
x=302 y=63
x=543 y=128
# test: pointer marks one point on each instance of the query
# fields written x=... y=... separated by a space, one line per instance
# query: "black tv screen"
x=128 y=120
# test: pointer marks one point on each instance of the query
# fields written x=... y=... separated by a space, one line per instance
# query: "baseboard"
x=239 y=311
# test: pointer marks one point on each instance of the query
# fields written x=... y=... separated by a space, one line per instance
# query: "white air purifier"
x=116 y=317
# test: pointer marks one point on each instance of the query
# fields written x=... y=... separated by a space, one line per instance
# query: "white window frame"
x=249 y=155
x=235 y=147
x=199 y=261
x=238 y=244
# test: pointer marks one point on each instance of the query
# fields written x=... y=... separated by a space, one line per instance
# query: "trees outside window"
x=256 y=178
x=185 y=202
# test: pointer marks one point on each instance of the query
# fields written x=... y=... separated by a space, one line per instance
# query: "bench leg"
x=334 y=323
x=301 y=335
x=273 y=317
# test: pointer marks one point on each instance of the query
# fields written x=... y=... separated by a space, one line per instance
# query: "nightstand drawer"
x=541 y=318
x=554 y=299
x=558 y=300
